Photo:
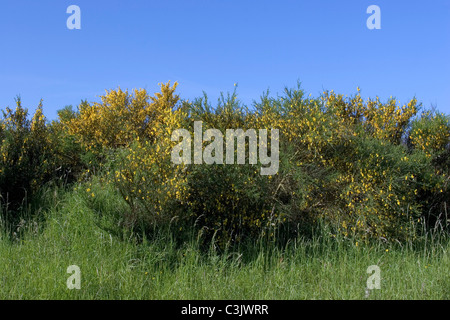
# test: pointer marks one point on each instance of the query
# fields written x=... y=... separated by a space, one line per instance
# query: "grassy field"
x=102 y=189
x=34 y=258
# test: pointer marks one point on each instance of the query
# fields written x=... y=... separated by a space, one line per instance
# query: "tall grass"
x=115 y=264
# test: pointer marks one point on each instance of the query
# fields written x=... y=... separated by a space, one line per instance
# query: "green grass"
x=113 y=266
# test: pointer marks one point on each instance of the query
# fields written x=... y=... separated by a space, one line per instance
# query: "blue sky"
x=208 y=45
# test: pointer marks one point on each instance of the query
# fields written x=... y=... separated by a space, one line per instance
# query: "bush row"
x=366 y=169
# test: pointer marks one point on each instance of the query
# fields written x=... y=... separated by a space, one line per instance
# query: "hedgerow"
x=365 y=169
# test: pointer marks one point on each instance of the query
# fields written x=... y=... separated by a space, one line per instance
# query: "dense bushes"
x=366 y=169
x=228 y=201
x=33 y=153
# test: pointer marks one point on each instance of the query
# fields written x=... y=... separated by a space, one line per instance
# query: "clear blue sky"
x=208 y=45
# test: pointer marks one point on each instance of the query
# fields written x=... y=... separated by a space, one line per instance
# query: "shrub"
x=430 y=133
x=30 y=155
x=140 y=166
x=121 y=118
x=344 y=163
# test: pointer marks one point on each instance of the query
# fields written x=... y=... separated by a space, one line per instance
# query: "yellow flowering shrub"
x=121 y=117
x=346 y=163
x=29 y=157
x=367 y=169
x=226 y=202
x=430 y=133
x=141 y=166
x=343 y=161
x=148 y=181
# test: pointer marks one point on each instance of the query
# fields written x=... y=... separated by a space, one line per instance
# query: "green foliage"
x=228 y=202
x=363 y=169
x=33 y=153
x=430 y=133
